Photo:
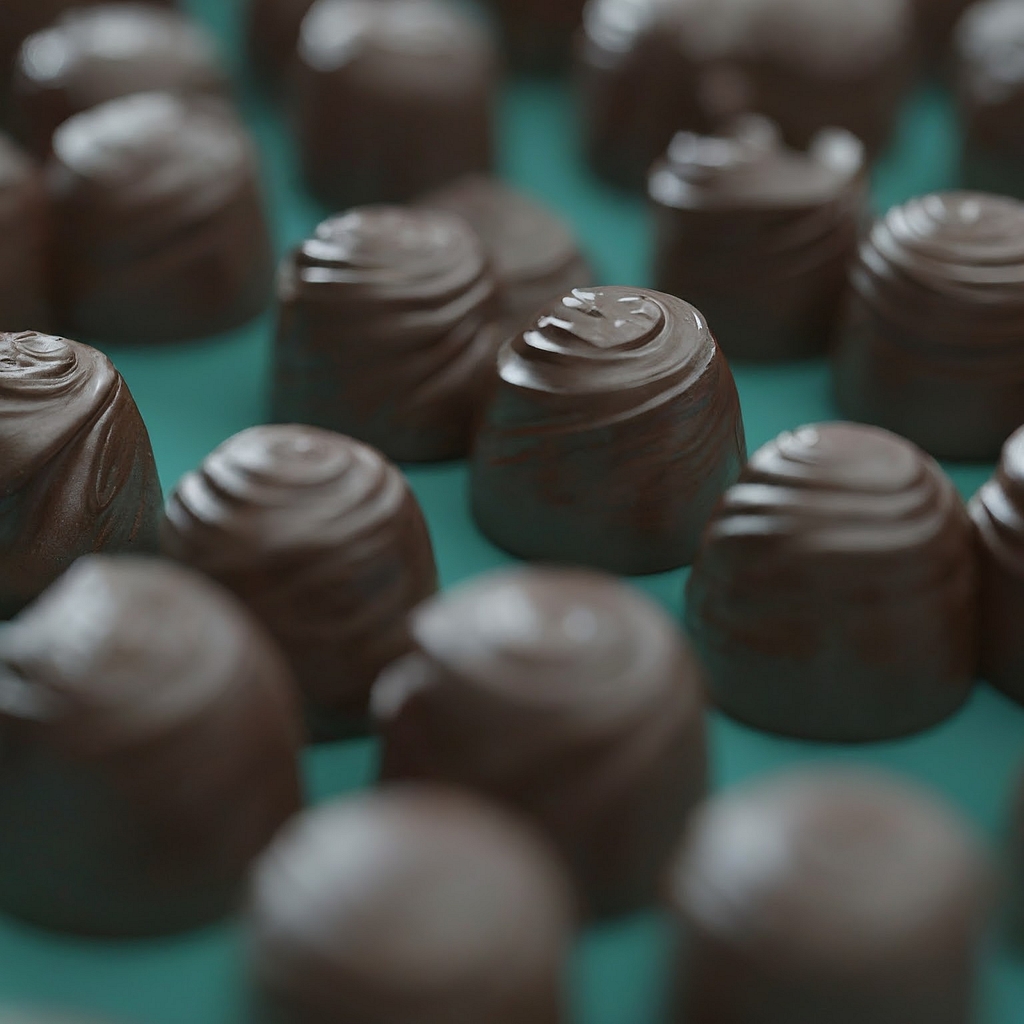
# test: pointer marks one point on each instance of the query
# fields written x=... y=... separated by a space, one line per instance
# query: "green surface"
x=194 y=396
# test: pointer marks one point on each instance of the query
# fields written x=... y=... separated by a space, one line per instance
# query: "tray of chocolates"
x=511 y=512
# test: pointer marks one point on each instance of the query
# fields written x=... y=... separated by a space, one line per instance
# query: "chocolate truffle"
x=989 y=52
x=538 y=33
x=387 y=331
x=759 y=237
x=930 y=347
x=998 y=514
x=568 y=697
x=24 y=227
x=412 y=903
x=77 y=474
x=99 y=53
x=533 y=252
x=272 y=35
x=393 y=97
x=615 y=429
x=321 y=537
x=652 y=67
x=834 y=594
x=149 y=743
x=159 y=227
x=828 y=895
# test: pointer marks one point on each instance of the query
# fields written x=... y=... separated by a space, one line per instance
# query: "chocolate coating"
x=24 y=228
x=77 y=474
x=323 y=540
x=538 y=33
x=272 y=36
x=650 y=68
x=759 y=237
x=94 y=54
x=828 y=896
x=386 y=331
x=615 y=428
x=160 y=232
x=411 y=903
x=834 y=595
x=568 y=697
x=934 y=324
x=533 y=252
x=989 y=51
x=393 y=97
x=998 y=514
x=149 y=750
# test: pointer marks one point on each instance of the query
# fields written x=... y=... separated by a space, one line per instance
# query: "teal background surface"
x=193 y=396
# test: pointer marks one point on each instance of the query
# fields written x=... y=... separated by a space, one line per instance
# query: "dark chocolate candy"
x=387 y=331
x=989 y=54
x=77 y=473
x=828 y=896
x=272 y=36
x=538 y=33
x=567 y=696
x=931 y=344
x=834 y=595
x=411 y=903
x=654 y=67
x=149 y=743
x=323 y=540
x=392 y=97
x=936 y=21
x=159 y=227
x=614 y=431
x=24 y=229
x=998 y=514
x=95 y=54
x=533 y=252
x=759 y=237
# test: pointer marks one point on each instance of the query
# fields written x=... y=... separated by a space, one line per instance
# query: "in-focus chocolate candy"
x=159 y=227
x=533 y=252
x=321 y=537
x=149 y=750
x=392 y=97
x=567 y=696
x=24 y=228
x=828 y=895
x=931 y=347
x=615 y=429
x=387 y=331
x=989 y=55
x=411 y=903
x=759 y=237
x=77 y=473
x=538 y=33
x=650 y=68
x=998 y=514
x=272 y=35
x=94 y=54
x=834 y=596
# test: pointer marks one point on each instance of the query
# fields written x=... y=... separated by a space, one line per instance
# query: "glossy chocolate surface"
x=567 y=696
x=272 y=36
x=615 y=428
x=532 y=251
x=538 y=33
x=828 y=896
x=77 y=474
x=24 y=229
x=386 y=331
x=759 y=237
x=935 y=322
x=94 y=54
x=650 y=68
x=159 y=227
x=149 y=748
x=834 y=596
x=392 y=98
x=998 y=514
x=323 y=540
x=989 y=53
x=411 y=903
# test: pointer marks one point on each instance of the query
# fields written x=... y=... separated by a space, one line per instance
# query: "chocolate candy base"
x=1002 y=629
